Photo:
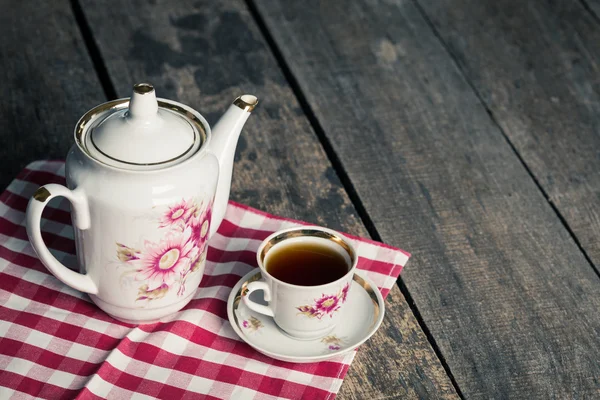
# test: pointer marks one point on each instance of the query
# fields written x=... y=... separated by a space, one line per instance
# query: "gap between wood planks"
x=495 y=122
x=111 y=94
x=589 y=9
x=344 y=178
x=93 y=51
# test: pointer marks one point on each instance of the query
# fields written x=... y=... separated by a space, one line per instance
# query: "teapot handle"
x=81 y=219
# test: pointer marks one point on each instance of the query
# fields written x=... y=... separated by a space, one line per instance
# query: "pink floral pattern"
x=178 y=215
x=325 y=305
x=199 y=223
x=333 y=342
x=125 y=253
x=168 y=263
x=163 y=262
x=252 y=324
x=345 y=290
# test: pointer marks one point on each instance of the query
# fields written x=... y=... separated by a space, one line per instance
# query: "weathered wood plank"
x=535 y=65
x=504 y=290
x=46 y=83
x=204 y=54
x=593 y=6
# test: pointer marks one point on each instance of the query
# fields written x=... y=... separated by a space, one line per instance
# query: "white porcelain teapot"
x=148 y=184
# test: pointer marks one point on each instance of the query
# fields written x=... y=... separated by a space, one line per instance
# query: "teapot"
x=148 y=182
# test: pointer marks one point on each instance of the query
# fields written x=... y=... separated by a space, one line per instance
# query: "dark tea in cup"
x=306 y=263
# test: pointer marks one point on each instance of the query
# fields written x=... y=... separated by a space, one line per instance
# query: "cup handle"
x=259 y=308
x=81 y=219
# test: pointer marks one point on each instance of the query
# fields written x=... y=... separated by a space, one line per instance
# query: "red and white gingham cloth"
x=55 y=343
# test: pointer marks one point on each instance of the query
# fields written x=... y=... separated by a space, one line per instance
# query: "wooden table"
x=464 y=131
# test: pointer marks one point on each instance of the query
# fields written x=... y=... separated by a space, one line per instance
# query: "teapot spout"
x=224 y=140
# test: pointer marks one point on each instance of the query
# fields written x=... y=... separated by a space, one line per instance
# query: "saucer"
x=363 y=315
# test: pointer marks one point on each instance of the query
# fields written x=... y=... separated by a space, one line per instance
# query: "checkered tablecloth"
x=55 y=343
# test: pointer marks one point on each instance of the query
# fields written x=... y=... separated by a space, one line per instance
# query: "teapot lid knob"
x=143 y=102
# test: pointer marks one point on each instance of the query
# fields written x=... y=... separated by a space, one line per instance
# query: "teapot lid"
x=141 y=133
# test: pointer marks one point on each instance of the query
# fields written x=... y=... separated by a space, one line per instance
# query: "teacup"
x=304 y=305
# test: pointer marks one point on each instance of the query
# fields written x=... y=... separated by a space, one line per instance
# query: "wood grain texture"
x=536 y=67
x=46 y=83
x=593 y=6
x=205 y=54
x=504 y=290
